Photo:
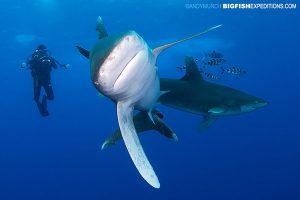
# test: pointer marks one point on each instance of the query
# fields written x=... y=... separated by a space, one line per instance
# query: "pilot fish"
x=233 y=70
x=181 y=68
x=214 y=62
x=214 y=54
x=210 y=75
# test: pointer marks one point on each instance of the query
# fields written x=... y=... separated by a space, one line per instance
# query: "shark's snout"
x=112 y=68
x=254 y=105
x=260 y=104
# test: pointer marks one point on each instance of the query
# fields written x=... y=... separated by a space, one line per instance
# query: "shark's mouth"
x=247 y=108
x=125 y=67
x=252 y=107
x=118 y=65
x=128 y=80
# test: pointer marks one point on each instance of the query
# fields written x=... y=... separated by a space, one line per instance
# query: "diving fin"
x=44 y=101
x=133 y=145
x=42 y=107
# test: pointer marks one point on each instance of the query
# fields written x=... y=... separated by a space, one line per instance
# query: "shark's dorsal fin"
x=192 y=71
x=101 y=28
x=158 y=50
x=83 y=52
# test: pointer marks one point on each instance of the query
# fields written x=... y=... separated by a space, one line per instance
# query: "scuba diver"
x=41 y=64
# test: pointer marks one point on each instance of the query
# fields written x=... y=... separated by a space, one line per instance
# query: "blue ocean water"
x=250 y=156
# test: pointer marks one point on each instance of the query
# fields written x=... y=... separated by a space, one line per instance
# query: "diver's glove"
x=66 y=66
x=23 y=65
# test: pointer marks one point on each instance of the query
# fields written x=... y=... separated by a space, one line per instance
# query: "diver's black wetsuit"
x=41 y=65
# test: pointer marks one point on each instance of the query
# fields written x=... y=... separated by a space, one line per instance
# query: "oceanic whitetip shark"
x=193 y=94
x=123 y=68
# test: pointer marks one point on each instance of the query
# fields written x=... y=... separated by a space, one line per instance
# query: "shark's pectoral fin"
x=206 y=123
x=151 y=117
x=142 y=123
x=112 y=139
x=133 y=145
x=163 y=128
x=164 y=92
x=217 y=110
x=83 y=52
x=158 y=50
x=107 y=143
x=100 y=95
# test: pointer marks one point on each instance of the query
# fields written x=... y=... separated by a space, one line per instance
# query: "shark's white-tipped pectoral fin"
x=105 y=145
x=158 y=50
x=133 y=145
x=164 y=92
x=217 y=110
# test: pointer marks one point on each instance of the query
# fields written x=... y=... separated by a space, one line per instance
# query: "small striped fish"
x=214 y=62
x=181 y=68
x=209 y=75
x=233 y=70
x=214 y=54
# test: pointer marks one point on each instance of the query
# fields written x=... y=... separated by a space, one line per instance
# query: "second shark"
x=193 y=94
